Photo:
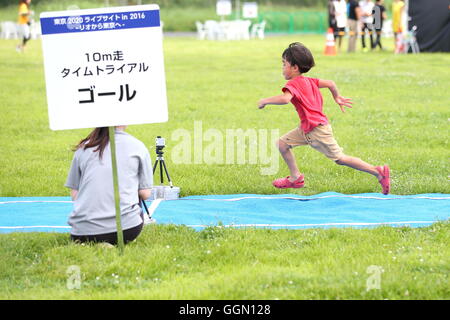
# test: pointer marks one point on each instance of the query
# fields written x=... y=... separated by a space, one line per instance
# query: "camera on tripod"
x=160 y=192
x=163 y=192
x=160 y=144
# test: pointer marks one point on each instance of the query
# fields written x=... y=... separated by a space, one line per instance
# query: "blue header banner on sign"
x=100 y=22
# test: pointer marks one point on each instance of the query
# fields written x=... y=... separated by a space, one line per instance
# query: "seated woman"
x=93 y=218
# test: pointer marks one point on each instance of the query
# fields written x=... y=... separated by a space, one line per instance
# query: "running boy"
x=314 y=129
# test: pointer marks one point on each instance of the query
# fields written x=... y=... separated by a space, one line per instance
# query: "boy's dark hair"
x=299 y=55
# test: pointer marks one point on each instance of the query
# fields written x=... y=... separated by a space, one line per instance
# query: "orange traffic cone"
x=330 y=47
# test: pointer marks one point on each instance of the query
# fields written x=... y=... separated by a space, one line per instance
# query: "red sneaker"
x=284 y=183
x=385 y=181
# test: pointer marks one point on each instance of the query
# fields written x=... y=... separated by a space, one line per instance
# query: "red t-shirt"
x=308 y=101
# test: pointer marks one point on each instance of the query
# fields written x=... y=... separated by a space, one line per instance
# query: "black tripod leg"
x=167 y=172
x=154 y=166
x=161 y=171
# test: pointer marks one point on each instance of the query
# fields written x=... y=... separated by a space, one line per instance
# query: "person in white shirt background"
x=340 y=9
x=366 y=22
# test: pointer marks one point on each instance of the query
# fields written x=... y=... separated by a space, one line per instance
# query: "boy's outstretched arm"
x=341 y=101
x=284 y=98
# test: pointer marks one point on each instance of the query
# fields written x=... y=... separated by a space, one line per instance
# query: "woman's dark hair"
x=299 y=55
x=99 y=138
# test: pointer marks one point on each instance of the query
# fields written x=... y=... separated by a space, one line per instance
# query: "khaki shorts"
x=320 y=138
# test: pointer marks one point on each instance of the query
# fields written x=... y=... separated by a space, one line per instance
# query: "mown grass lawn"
x=175 y=262
x=400 y=117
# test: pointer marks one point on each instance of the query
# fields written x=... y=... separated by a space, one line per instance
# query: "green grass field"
x=400 y=117
x=170 y=262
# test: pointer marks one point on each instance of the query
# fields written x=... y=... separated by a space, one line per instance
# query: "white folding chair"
x=228 y=30
x=9 y=30
x=258 y=30
x=244 y=32
x=2 y=31
x=201 y=31
x=213 y=30
x=35 y=30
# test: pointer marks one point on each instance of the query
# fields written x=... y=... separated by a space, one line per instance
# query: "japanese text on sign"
x=124 y=94
x=104 y=69
x=99 y=22
x=105 y=62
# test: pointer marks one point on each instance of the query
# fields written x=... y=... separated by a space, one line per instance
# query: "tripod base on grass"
x=174 y=191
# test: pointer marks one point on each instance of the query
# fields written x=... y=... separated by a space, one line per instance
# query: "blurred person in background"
x=379 y=15
x=332 y=16
x=24 y=23
x=340 y=8
x=366 y=22
x=397 y=12
x=354 y=14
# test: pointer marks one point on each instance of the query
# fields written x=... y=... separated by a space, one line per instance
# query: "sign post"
x=112 y=141
x=104 y=68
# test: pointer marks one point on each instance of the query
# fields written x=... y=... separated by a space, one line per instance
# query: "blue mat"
x=325 y=210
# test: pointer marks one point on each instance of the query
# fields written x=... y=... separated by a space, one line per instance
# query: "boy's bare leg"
x=289 y=158
x=358 y=164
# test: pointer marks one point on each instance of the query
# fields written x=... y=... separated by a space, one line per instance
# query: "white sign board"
x=104 y=67
x=223 y=7
x=250 y=10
